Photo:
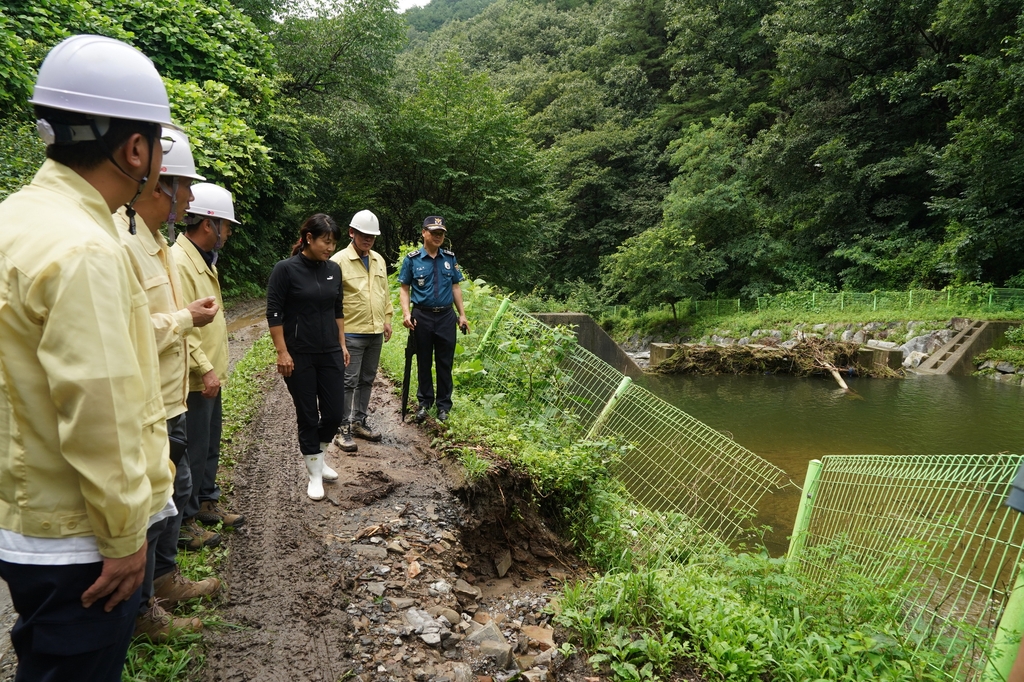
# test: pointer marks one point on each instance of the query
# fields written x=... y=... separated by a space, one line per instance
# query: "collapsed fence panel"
x=675 y=466
x=937 y=526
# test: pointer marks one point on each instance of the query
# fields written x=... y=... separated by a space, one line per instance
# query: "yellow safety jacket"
x=207 y=346
x=83 y=439
x=155 y=270
x=366 y=294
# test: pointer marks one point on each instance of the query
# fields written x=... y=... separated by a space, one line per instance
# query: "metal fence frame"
x=942 y=521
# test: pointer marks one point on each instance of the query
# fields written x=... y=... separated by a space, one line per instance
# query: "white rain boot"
x=315 y=467
x=329 y=473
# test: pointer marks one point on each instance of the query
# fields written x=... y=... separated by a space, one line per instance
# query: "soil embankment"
x=394 y=576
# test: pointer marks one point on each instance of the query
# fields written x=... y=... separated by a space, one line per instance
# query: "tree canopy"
x=646 y=149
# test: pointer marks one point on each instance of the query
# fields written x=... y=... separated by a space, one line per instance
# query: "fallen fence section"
x=676 y=467
x=938 y=526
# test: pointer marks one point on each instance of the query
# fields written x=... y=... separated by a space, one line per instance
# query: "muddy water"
x=791 y=421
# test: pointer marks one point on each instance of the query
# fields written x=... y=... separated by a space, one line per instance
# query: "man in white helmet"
x=84 y=468
x=209 y=220
x=367 y=302
x=154 y=268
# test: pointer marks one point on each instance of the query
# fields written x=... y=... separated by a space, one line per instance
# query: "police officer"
x=429 y=279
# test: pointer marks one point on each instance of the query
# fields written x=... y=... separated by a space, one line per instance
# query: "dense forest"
x=643 y=150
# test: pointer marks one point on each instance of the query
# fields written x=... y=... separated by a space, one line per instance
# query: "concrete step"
x=957 y=356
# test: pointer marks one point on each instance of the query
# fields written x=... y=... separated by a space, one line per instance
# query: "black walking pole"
x=410 y=353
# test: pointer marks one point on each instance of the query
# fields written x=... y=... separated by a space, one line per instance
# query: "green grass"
x=182 y=657
x=735 y=613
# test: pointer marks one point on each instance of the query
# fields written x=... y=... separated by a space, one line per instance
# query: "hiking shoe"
x=363 y=430
x=159 y=626
x=173 y=587
x=194 y=538
x=344 y=439
x=442 y=416
x=421 y=415
x=212 y=513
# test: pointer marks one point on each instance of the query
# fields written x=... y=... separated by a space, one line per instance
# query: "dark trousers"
x=56 y=639
x=167 y=543
x=317 y=385
x=152 y=537
x=364 y=356
x=435 y=341
x=203 y=427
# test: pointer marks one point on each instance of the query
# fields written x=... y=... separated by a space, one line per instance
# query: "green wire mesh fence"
x=952 y=299
x=937 y=526
x=676 y=467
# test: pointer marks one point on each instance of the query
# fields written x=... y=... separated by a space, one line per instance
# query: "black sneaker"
x=421 y=414
x=442 y=416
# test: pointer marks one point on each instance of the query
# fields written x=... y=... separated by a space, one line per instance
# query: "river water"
x=790 y=421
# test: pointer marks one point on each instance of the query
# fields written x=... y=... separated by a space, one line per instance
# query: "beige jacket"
x=154 y=268
x=83 y=440
x=367 y=297
x=208 y=346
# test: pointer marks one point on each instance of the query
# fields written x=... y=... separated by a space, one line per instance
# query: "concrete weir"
x=957 y=356
x=590 y=336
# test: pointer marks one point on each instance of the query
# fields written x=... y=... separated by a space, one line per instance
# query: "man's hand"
x=211 y=384
x=203 y=311
x=407 y=320
x=387 y=332
x=119 y=578
x=463 y=324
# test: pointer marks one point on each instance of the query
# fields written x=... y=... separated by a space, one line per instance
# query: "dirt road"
x=384 y=578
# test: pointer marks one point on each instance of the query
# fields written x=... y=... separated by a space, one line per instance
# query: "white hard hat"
x=103 y=77
x=179 y=162
x=366 y=222
x=212 y=201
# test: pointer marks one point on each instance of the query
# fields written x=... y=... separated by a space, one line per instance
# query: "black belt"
x=432 y=310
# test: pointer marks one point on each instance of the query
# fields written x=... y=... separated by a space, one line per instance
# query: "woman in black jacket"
x=304 y=312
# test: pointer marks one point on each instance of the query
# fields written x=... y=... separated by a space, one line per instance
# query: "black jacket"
x=305 y=296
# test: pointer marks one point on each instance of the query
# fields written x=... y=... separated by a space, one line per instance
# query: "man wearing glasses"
x=367 y=302
x=430 y=284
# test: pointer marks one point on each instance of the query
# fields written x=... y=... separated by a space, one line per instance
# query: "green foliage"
x=244 y=392
x=434 y=14
x=23 y=153
x=455 y=148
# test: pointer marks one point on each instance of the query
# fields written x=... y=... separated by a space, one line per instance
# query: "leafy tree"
x=659 y=266
x=455 y=148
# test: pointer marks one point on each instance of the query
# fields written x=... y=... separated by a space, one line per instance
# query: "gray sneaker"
x=344 y=439
x=363 y=430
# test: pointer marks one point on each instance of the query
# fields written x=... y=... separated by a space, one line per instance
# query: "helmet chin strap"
x=130 y=206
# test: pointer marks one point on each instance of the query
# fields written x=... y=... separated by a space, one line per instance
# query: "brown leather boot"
x=363 y=430
x=159 y=626
x=173 y=587
x=212 y=513
x=195 y=538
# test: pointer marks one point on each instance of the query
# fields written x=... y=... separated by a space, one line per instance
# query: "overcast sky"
x=406 y=4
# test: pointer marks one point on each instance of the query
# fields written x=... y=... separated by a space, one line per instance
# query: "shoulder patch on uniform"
x=413 y=254
x=447 y=252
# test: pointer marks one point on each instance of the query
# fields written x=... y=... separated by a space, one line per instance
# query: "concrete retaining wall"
x=590 y=336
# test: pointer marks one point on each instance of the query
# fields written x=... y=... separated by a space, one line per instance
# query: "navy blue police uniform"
x=430 y=282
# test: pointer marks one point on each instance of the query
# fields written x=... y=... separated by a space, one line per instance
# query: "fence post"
x=949 y=296
x=803 y=514
x=990 y=300
x=494 y=324
x=1004 y=644
x=841 y=304
x=606 y=411
x=874 y=305
x=813 y=296
x=910 y=301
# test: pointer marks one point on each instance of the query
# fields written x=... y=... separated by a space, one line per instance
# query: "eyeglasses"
x=167 y=144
